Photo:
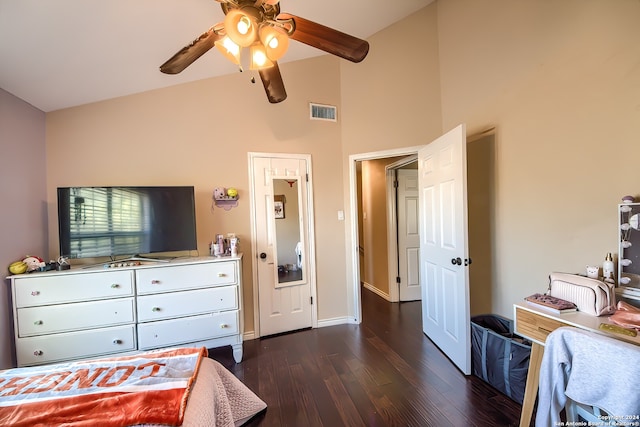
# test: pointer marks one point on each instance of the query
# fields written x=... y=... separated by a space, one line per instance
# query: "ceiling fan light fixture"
x=275 y=41
x=241 y=27
x=229 y=49
x=258 y=57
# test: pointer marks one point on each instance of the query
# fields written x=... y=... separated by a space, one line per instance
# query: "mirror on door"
x=289 y=244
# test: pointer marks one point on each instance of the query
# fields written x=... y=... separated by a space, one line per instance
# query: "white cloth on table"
x=591 y=369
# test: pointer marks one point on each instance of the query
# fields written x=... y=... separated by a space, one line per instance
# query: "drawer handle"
x=115 y=286
x=117 y=341
x=38 y=322
x=223 y=326
x=38 y=353
x=155 y=282
x=156 y=309
x=221 y=275
x=546 y=331
x=35 y=293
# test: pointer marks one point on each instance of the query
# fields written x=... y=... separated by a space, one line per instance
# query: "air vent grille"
x=323 y=112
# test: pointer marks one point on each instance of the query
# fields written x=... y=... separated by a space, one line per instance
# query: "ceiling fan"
x=259 y=26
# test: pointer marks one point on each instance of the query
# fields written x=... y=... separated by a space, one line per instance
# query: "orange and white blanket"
x=148 y=388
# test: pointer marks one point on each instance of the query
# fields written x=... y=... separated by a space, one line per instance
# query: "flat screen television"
x=125 y=221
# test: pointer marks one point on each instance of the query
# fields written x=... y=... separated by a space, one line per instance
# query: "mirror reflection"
x=288 y=220
x=629 y=250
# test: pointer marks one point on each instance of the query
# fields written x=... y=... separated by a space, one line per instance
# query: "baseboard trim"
x=335 y=321
x=251 y=335
x=377 y=291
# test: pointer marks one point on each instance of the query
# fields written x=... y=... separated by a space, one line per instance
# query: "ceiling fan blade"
x=188 y=54
x=327 y=39
x=273 y=84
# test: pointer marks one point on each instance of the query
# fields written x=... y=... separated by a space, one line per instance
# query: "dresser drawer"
x=187 y=329
x=75 y=345
x=77 y=316
x=186 y=303
x=535 y=326
x=55 y=289
x=180 y=277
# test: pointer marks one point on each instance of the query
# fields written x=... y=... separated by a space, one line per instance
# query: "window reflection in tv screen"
x=115 y=221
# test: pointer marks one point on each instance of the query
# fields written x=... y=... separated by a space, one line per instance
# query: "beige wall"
x=390 y=100
x=374 y=225
x=199 y=134
x=560 y=81
x=481 y=221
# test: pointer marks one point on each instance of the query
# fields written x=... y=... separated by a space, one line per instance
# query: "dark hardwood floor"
x=383 y=372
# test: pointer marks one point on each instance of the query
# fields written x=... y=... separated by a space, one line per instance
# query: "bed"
x=174 y=387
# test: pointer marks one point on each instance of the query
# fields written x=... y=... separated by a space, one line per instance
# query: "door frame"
x=392 y=222
x=311 y=256
x=356 y=308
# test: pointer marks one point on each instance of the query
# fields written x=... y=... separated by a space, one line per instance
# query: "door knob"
x=263 y=255
x=456 y=261
x=467 y=261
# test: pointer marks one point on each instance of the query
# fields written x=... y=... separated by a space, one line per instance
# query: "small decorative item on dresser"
x=607 y=268
x=591 y=296
x=18 y=267
x=548 y=302
x=593 y=271
x=62 y=264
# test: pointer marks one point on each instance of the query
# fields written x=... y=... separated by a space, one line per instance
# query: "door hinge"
x=395 y=184
x=397 y=279
x=311 y=300
x=307 y=177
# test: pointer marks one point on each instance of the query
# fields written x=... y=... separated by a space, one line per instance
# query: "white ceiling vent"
x=323 y=112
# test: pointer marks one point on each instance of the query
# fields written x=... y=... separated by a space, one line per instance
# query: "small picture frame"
x=278 y=204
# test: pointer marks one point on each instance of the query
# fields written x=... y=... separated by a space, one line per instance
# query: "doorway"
x=481 y=155
x=363 y=215
x=387 y=227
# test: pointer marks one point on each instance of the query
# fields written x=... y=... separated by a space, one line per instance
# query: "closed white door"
x=443 y=246
x=408 y=234
x=284 y=269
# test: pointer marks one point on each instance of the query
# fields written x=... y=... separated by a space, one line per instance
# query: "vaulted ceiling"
x=63 y=53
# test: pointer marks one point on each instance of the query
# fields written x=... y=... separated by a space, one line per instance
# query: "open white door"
x=442 y=170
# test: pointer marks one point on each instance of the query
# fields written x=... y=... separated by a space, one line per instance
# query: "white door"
x=442 y=169
x=408 y=234
x=281 y=244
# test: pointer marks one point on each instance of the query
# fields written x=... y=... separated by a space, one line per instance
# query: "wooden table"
x=535 y=324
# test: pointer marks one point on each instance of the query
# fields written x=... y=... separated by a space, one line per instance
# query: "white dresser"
x=83 y=313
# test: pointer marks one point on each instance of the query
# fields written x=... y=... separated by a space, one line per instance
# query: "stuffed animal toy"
x=219 y=193
x=34 y=263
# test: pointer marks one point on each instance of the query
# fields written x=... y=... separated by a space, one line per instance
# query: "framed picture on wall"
x=278 y=204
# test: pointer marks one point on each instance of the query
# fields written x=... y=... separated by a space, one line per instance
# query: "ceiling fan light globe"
x=275 y=41
x=243 y=25
x=229 y=49
x=240 y=27
x=259 y=58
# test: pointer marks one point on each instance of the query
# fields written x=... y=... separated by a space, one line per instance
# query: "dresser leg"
x=237 y=352
x=531 y=388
